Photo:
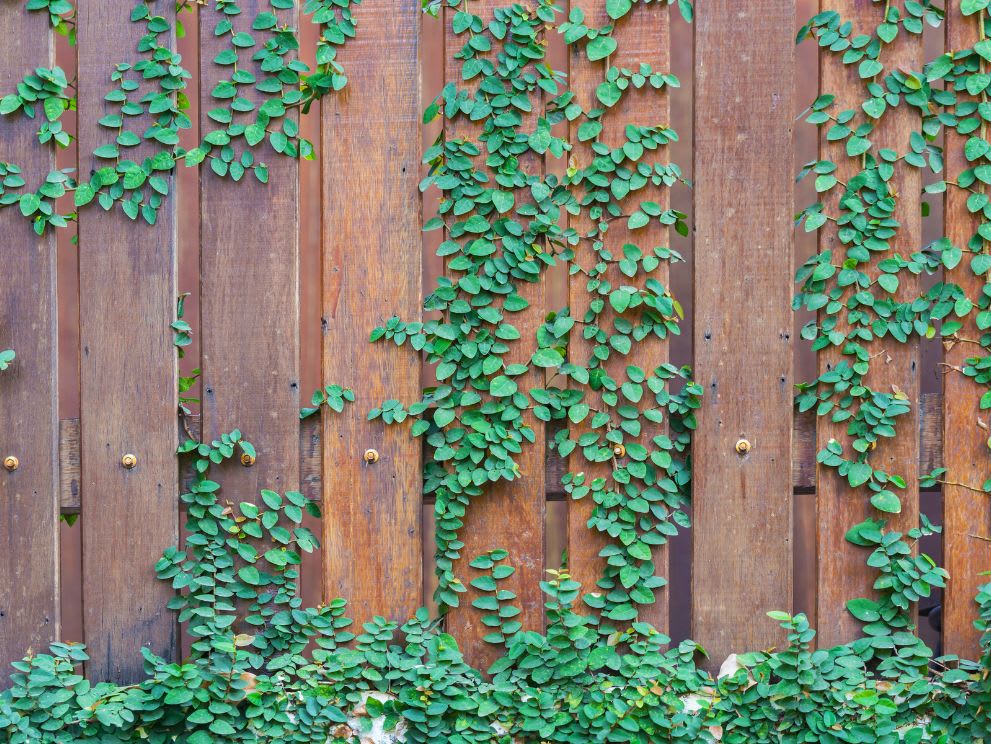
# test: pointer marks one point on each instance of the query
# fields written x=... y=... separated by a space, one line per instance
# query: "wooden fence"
x=288 y=278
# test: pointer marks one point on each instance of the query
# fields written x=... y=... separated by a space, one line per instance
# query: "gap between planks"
x=802 y=468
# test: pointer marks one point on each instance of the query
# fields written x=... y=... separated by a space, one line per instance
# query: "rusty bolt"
x=371 y=456
x=129 y=460
x=11 y=463
x=743 y=447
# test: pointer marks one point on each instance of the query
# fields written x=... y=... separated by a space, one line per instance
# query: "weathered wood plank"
x=843 y=573
x=372 y=272
x=249 y=288
x=742 y=504
x=965 y=513
x=29 y=528
x=508 y=515
x=128 y=398
x=642 y=37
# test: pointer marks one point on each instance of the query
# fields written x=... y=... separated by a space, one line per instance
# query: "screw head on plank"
x=129 y=461
x=11 y=463
x=743 y=447
x=371 y=456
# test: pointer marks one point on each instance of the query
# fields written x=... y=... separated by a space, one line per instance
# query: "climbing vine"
x=857 y=285
x=254 y=103
x=262 y=667
x=502 y=218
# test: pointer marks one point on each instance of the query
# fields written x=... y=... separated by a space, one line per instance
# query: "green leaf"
x=969 y=7
x=620 y=300
x=888 y=282
x=578 y=412
x=887 y=502
x=502 y=387
x=249 y=575
x=29 y=204
x=608 y=93
x=618 y=8
x=9 y=104
x=600 y=47
x=54 y=108
x=859 y=473
x=503 y=200
x=547 y=358
x=864 y=610
x=637 y=220
x=870 y=68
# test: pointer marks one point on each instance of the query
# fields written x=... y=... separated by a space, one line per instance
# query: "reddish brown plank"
x=249 y=287
x=743 y=347
x=372 y=271
x=128 y=399
x=642 y=37
x=508 y=515
x=966 y=513
x=843 y=570
x=29 y=585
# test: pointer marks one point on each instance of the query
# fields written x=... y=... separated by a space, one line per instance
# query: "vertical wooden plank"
x=128 y=399
x=965 y=513
x=29 y=528
x=843 y=570
x=508 y=515
x=372 y=260
x=310 y=310
x=249 y=285
x=642 y=37
x=743 y=348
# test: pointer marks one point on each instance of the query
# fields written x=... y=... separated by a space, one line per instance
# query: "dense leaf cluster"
x=504 y=221
x=858 y=284
x=262 y=87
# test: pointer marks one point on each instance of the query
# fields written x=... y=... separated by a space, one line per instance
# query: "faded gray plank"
x=742 y=504
x=128 y=399
x=29 y=579
x=249 y=290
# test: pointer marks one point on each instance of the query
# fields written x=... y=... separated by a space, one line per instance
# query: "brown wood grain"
x=642 y=37
x=249 y=290
x=29 y=528
x=507 y=515
x=843 y=570
x=372 y=272
x=966 y=514
x=128 y=399
x=742 y=505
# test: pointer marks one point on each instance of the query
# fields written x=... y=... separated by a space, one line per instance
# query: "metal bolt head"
x=11 y=463
x=129 y=461
x=247 y=460
x=371 y=456
x=743 y=447
x=619 y=450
